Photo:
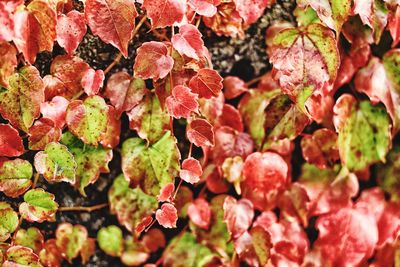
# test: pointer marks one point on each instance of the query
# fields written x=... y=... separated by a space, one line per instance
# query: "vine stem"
x=177 y=188
x=35 y=180
x=86 y=209
x=255 y=80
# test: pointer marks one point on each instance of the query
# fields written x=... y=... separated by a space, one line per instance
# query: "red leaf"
x=8 y=62
x=205 y=8
x=191 y=171
x=124 y=92
x=188 y=41
x=7 y=10
x=200 y=132
x=199 y=212
x=92 y=81
x=181 y=102
x=71 y=29
x=342 y=110
x=231 y=117
x=234 y=87
x=238 y=215
x=154 y=239
x=167 y=215
x=214 y=181
x=10 y=141
x=111 y=136
x=55 y=110
x=394 y=26
x=43 y=132
x=166 y=192
x=252 y=10
x=206 y=83
x=152 y=61
x=164 y=13
x=146 y=221
x=112 y=20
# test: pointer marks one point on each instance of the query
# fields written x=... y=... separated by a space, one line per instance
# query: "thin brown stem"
x=85 y=209
x=177 y=188
x=116 y=60
x=190 y=150
x=254 y=81
x=35 y=180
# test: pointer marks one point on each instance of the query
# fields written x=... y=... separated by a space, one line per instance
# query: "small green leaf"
x=30 y=238
x=391 y=62
x=8 y=221
x=151 y=168
x=15 y=176
x=39 y=206
x=56 y=163
x=70 y=239
x=111 y=240
x=305 y=16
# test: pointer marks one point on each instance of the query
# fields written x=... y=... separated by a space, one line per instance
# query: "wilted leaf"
x=38 y=206
x=70 y=239
x=10 y=142
x=200 y=132
x=238 y=215
x=42 y=133
x=199 y=212
x=167 y=215
x=206 y=83
x=163 y=13
x=15 y=176
x=191 y=170
x=70 y=30
x=182 y=102
x=8 y=221
x=31 y=238
x=188 y=41
x=110 y=240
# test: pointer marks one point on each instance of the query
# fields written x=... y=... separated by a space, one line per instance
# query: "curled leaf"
x=38 y=206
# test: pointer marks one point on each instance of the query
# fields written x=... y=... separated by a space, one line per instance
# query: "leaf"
x=31 y=238
x=38 y=206
x=15 y=176
x=206 y=83
x=8 y=62
x=7 y=9
x=182 y=102
x=152 y=61
x=70 y=239
x=56 y=163
x=50 y=255
x=110 y=138
x=238 y=215
x=135 y=253
x=394 y=26
x=167 y=215
x=182 y=200
x=124 y=92
x=387 y=174
x=205 y=8
x=191 y=170
x=251 y=15
x=166 y=193
x=55 y=110
x=199 y=212
x=292 y=48
x=91 y=161
x=164 y=13
x=92 y=81
x=391 y=63
x=234 y=87
x=150 y=168
x=21 y=256
x=333 y=13
x=10 y=142
x=230 y=117
x=232 y=171
x=200 y=132
x=88 y=250
x=42 y=133
x=188 y=41
x=71 y=28
x=364 y=135
x=110 y=240
x=154 y=239
x=130 y=205
x=112 y=21
x=20 y=103
x=8 y=221
x=88 y=119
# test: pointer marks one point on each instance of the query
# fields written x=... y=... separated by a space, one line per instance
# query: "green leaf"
x=135 y=254
x=15 y=176
x=20 y=102
x=151 y=167
x=305 y=16
x=70 y=239
x=56 y=163
x=30 y=238
x=110 y=240
x=389 y=174
x=130 y=205
x=39 y=206
x=391 y=62
x=91 y=161
x=8 y=221
x=21 y=256
x=88 y=119
x=261 y=241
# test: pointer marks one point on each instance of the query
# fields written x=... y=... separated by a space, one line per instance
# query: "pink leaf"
x=205 y=8
x=8 y=62
x=394 y=26
x=166 y=192
x=191 y=170
x=199 y=212
x=231 y=117
x=92 y=81
x=167 y=215
x=251 y=10
x=206 y=83
x=188 y=41
x=146 y=221
x=238 y=215
x=43 y=132
x=164 y=13
x=7 y=10
x=342 y=110
x=55 y=110
x=234 y=87
x=10 y=141
x=152 y=61
x=182 y=102
x=112 y=20
x=200 y=132
x=70 y=30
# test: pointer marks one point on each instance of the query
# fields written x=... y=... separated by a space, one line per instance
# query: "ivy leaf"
x=167 y=215
x=113 y=21
x=8 y=221
x=31 y=238
x=56 y=163
x=387 y=176
x=70 y=239
x=10 y=142
x=9 y=61
x=394 y=26
x=182 y=102
x=205 y=8
x=71 y=28
x=191 y=170
x=233 y=87
x=150 y=167
x=111 y=136
x=15 y=176
x=55 y=110
x=238 y=215
x=164 y=13
x=251 y=15
x=20 y=103
x=92 y=81
x=391 y=62
x=50 y=255
x=206 y=83
x=364 y=132
x=166 y=193
x=43 y=132
x=8 y=9
x=331 y=12
x=35 y=29
x=110 y=240
x=91 y=161
x=199 y=212
x=152 y=61
x=230 y=117
x=88 y=250
x=188 y=41
x=200 y=132
x=124 y=92
x=88 y=119
x=292 y=48
x=38 y=206
x=154 y=239
x=149 y=119
x=130 y=205
x=21 y=256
